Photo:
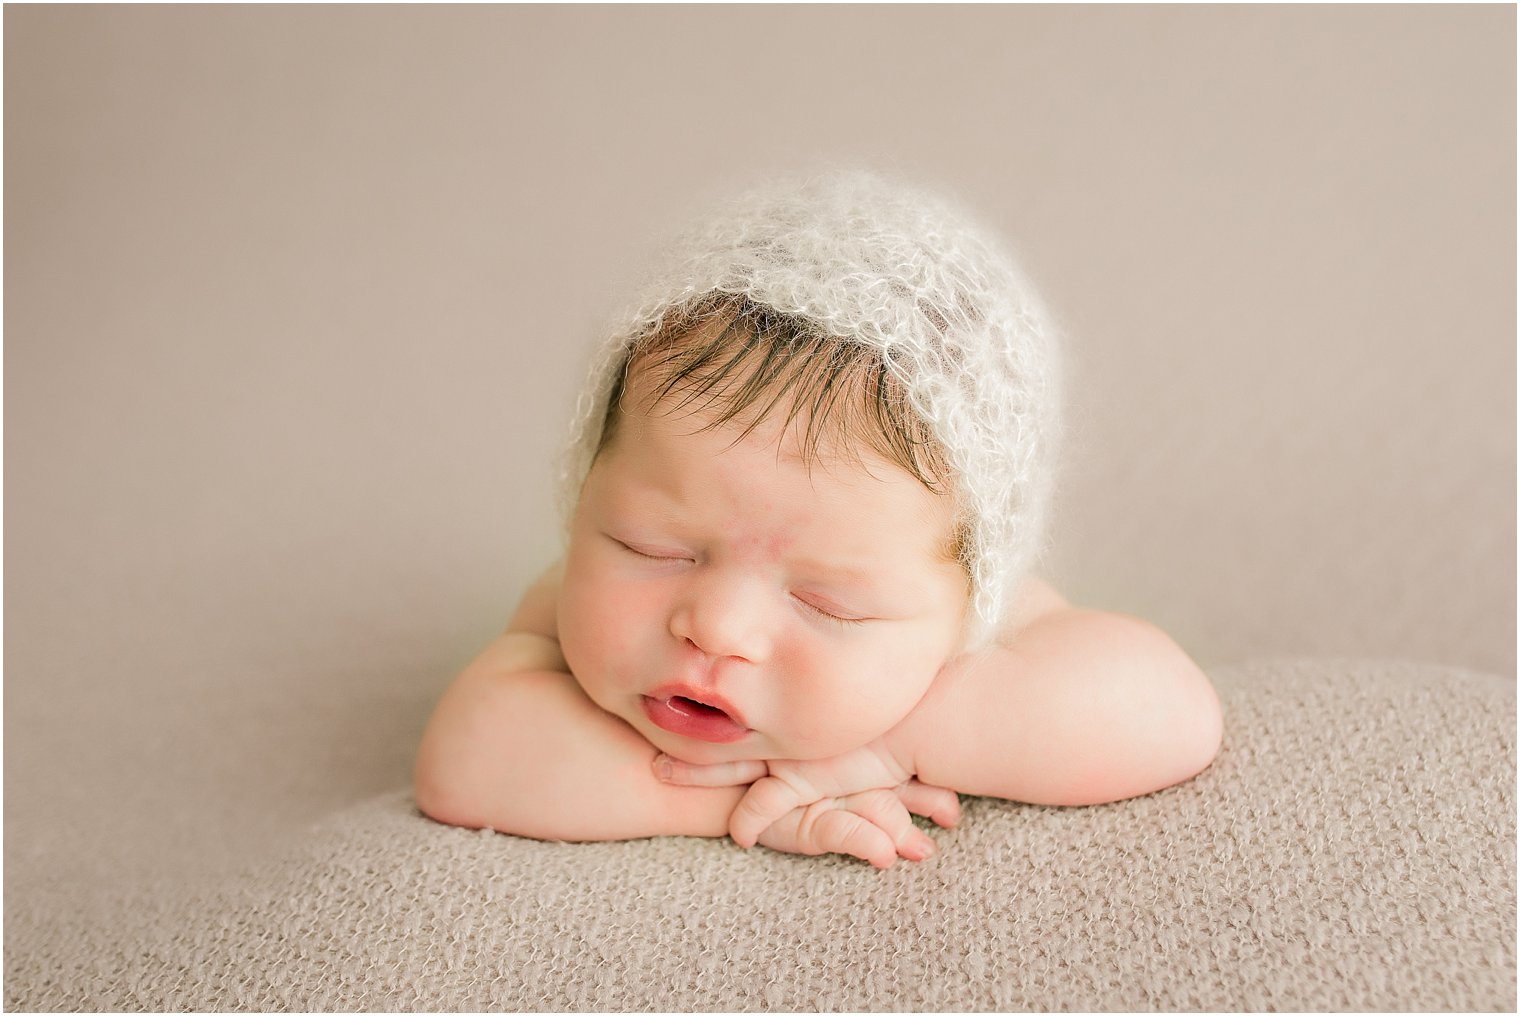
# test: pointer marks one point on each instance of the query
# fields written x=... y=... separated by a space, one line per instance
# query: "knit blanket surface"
x=1353 y=848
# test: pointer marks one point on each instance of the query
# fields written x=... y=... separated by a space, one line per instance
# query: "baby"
x=796 y=607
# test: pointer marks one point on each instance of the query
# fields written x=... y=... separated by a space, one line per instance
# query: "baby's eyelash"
x=647 y=557
x=825 y=614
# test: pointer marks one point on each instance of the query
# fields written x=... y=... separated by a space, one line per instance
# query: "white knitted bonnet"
x=906 y=274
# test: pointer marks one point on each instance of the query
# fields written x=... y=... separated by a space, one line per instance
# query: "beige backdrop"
x=296 y=300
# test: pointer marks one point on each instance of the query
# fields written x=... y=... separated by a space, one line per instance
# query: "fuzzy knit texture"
x=912 y=277
x=1353 y=848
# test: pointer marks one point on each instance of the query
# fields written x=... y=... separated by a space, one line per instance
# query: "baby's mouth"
x=689 y=717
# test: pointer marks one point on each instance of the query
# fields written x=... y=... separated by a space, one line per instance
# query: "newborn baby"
x=807 y=485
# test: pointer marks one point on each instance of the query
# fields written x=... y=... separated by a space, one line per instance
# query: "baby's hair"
x=737 y=361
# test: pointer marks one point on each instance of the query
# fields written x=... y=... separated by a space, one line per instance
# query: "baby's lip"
x=694 y=712
x=701 y=696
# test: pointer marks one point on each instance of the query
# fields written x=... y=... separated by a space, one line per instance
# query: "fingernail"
x=662 y=767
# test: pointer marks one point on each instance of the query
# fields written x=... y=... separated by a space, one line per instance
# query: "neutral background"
x=296 y=300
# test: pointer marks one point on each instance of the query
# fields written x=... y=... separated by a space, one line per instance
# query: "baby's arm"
x=516 y=746
x=1074 y=707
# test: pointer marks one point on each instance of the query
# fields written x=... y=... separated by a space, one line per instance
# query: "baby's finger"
x=941 y=806
x=768 y=800
x=716 y=774
x=883 y=809
x=841 y=832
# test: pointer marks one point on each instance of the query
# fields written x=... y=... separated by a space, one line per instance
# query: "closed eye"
x=650 y=554
x=813 y=608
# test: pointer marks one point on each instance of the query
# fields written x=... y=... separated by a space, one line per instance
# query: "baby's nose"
x=722 y=620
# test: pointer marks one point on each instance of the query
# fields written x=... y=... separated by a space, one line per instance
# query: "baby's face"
x=730 y=602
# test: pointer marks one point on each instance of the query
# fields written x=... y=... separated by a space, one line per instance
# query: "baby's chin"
x=753 y=746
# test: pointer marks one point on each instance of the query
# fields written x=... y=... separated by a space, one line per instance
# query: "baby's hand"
x=857 y=803
x=873 y=825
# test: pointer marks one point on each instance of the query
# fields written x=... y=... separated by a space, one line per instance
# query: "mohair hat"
x=907 y=274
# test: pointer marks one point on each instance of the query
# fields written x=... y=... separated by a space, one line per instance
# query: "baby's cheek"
x=833 y=706
x=883 y=690
x=601 y=633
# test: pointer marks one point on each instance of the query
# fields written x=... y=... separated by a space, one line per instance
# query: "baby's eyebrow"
x=833 y=571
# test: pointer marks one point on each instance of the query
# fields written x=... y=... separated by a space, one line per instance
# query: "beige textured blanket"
x=1352 y=848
